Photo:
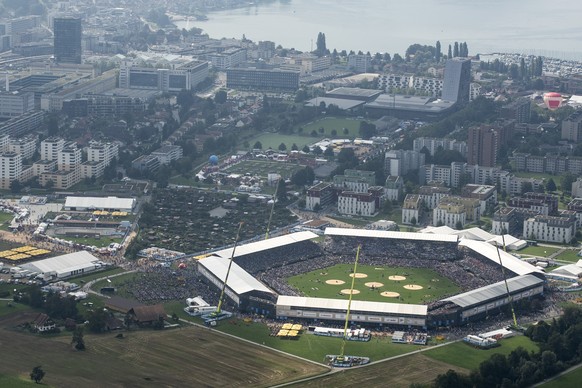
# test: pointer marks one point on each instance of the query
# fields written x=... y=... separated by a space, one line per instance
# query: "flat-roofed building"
x=25 y=146
x=486 y=194
x=394 y=188
x=321 y=195
x=355 y=180
x=186 y=76
x=15 y=103
x=168 y=153
x=10 y=168
x=262 y=79
x=229 y=58
x=61 y=180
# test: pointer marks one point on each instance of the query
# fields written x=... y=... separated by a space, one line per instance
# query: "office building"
x=352 y=203
x=518 y=110
x=433 y=144
x=320 y=195
x=67 y=39
x=359 y=63
x=15 y=103
x=355 y=180
x=262 y=79
x=457 y=80
x=180 y=77
x=228 y=58
x=411 y=209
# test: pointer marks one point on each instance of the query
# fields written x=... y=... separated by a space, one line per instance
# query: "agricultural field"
x=338 y=124
x=399 y=373
x=571 y=379
x=408 y=285
x=190 y=356
x=465 y=356
x=314 y=347
x=264 y=167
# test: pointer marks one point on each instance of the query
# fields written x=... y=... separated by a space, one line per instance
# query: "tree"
x=456 y=50
x=78 y=338
x=281 y=191
x=294 y=147
x=437 y=53
x=37 y=374
x=321 y=48
x=305 y=149
x=15 y=186
x=551 y=185
x=328 y=153
x=459 y=225
x=450 y=53
x=282 y=147
x=258 y=146
x=220 y=97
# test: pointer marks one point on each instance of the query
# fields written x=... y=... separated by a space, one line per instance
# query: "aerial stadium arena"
x=395 y=265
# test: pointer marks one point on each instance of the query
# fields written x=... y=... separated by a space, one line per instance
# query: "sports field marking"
x=414 y=287
x=374 y=284
x=347 y=291
x=390 y=294
x=396 y=277
x=335 y=282
x=358 y=275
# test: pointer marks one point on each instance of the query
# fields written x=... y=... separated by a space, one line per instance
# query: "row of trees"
x=560 y=347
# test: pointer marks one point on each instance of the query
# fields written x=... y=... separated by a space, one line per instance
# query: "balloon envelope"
x=213 y=159
x=553 y=100
x=182 y=265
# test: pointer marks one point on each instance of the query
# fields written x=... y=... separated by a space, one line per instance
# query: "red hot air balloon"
x=553 y=100
x=182 y=265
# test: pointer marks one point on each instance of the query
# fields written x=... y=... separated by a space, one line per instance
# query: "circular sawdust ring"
x=397 y=277
x=390 y=294
x=347 y=291
x=335 y=282
x=413 y=287
x=358 y=275
x=374 y=284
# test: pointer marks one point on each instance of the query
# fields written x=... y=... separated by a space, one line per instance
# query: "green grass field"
x=331 y=123
x=92 y=241
x=5 y=219
x=465 y=356
x=538 y=251
x=570 y=255
x=434 y=286
x=273 y=140
x=96 y=275
x=14 y=382
x=568 y=380
x=264 y=167
x=8 y=307
x=314 y=347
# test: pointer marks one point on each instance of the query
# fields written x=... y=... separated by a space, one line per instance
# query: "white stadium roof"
x=357 y=305
x=64 y=263
x=264 y=245
x=100 y=203
x=239 y=280
x=390 y=235
x=493 y=291
x=568 y=270
x=478 y=234
x=509 y=261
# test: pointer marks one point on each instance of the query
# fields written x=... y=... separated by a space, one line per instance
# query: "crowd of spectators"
x=279 y=257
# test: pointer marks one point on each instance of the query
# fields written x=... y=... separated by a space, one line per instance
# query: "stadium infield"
x=434 y=286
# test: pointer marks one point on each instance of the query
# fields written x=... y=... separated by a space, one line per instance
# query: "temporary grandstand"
x=478 y=303
x=243 y=289
x=99 y=203
x=334 y=310
x=492 y=253
x=65 y=265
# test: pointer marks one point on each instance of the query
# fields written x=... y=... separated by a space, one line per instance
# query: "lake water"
x=540 y=27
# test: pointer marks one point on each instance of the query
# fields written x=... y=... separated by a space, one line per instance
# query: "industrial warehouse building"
x=63 y=266
x=100 y=203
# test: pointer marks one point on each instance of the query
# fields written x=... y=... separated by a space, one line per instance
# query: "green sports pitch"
x=374 y=283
